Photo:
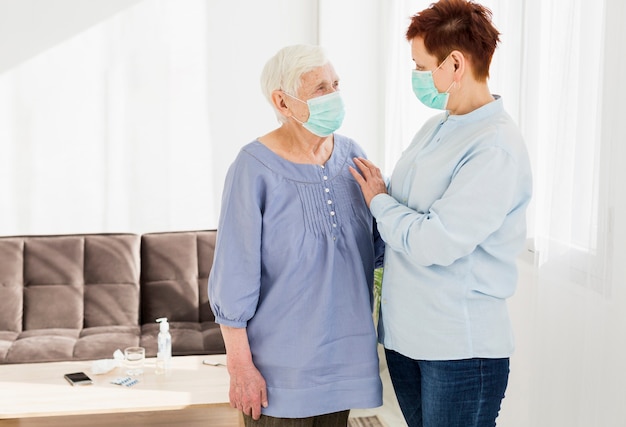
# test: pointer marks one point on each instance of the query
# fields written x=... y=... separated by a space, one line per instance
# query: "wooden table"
x=36 y=394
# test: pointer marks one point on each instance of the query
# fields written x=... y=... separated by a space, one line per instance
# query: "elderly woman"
x=453 y=222
x=292 y=276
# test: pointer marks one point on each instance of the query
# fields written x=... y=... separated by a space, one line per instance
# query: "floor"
x=389 y=413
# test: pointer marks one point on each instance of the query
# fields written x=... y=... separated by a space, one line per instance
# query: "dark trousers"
x=336 y=419
x=448 y=393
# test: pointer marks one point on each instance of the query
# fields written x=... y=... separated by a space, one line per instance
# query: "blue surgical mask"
x=326 y=113
x=426 y=91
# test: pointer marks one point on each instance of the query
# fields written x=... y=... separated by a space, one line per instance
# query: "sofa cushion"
x=101 y=342
x=7 y=338
x=175 y=267
x=57 y=344
x=81 y=281
x=11 y=286
x=187 y=338
x=53 y=282
x=111 y=280
x=206 y=249
x=43 y=345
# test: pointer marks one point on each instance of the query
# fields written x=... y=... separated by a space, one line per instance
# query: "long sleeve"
x=234 y=283
x=470 y=209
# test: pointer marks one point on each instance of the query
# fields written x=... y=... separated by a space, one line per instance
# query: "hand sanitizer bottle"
x=164 y=349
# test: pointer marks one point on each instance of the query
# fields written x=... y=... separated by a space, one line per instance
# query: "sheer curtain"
x=560 y=116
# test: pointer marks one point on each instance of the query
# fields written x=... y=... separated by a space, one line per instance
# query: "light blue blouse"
x=453 y=225
x=294 y=264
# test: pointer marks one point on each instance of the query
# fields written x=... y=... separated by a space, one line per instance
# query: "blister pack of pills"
x=125 y=381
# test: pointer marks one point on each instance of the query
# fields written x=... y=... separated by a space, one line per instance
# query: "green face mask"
x=326 y=114
x=426 y=91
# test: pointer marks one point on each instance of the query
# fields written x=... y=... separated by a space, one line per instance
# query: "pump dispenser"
x=164 y=349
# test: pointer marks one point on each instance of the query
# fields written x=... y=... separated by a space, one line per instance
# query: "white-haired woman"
x=291 y=283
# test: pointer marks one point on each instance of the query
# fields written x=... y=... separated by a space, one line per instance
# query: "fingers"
x=357 y=176
x=251 y=408
x=256 y=412
x=248 y=393
x=256 y=409
x=363 y=167
x=365 y=163
x=367 y=168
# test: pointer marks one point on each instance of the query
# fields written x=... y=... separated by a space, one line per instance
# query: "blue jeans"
x=448 y=393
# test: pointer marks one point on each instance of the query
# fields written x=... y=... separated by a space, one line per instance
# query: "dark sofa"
x=81 y=297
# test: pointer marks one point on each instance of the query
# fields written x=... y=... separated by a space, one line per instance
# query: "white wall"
x=240 y=42
x=175 y=164
x=29 y=27
x=157 y=173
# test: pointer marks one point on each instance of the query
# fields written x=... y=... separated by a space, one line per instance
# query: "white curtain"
x=561 y=111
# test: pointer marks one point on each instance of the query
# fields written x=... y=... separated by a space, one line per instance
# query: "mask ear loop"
x=441 y=65
x=442 y=62
x=450 y=87
x=290 y=95
x=298 y=99
x=294 y=117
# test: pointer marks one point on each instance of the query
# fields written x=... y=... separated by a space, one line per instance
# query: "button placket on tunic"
x=329 y=201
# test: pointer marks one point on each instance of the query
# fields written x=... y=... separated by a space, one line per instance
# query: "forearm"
x=237 y=345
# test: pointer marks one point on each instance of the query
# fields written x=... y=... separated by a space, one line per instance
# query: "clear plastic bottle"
x=164 y=347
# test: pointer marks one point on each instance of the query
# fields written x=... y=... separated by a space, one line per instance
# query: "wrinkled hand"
x=370 y=179
x=248 y=391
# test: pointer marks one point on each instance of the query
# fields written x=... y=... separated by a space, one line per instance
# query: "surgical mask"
x=326 y=113
x=426 y=91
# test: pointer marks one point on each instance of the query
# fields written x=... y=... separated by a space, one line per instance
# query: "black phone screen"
x=78 y=378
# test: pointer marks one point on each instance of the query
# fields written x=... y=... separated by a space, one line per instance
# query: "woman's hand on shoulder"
x=370 y=179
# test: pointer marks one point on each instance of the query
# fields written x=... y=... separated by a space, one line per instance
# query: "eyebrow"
x=326 y=83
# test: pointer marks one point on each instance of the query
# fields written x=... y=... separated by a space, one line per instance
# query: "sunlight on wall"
x=131 y=124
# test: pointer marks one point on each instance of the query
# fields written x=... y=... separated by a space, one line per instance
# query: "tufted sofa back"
x=77 y=297
x=175 y=270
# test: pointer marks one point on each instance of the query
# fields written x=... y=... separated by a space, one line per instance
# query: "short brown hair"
x=457 y=25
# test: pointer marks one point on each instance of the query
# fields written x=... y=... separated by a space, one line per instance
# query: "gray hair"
x=284 y=70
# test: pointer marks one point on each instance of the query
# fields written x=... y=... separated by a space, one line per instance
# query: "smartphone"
x=78 y=378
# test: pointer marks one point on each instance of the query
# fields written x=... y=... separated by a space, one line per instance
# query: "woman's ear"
x=278 y=99
x=460 y=63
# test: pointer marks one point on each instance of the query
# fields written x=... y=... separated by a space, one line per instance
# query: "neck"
x=470 y=96
x=294 y=143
